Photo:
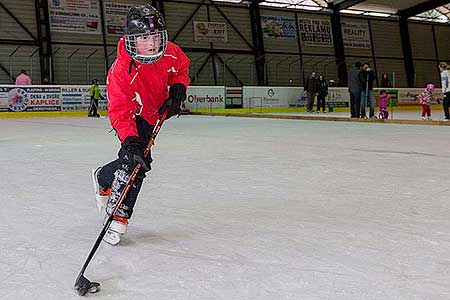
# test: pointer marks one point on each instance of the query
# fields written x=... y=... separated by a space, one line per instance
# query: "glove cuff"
x=130 y=140
x=178 y=92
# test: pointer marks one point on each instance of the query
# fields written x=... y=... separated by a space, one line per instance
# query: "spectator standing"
x=355 y=89
x=311 y=90
x=367 y=77
x=23 y=78
x=385 y=81
x=445 y=80
x=322 y=93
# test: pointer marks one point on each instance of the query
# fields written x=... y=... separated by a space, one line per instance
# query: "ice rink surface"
x=233 y=209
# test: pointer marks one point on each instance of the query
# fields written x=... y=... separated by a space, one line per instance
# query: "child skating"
x=384 y=100
x=425 y=100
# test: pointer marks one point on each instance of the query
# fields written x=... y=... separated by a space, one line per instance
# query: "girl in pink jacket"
x=425 y=100
x=384 y=99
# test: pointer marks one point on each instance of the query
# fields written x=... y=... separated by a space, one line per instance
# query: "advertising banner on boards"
x=254 y=97
x=30 y=98
x=77 y=97
x=410 y=96
x=205 y=97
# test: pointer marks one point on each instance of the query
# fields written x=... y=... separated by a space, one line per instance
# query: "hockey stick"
x=82 y=284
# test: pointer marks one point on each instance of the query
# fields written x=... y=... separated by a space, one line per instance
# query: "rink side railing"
x=76 y=97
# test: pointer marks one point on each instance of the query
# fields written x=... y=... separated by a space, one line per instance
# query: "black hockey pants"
x=446 y=105
x=93 y=107
x=115 y=175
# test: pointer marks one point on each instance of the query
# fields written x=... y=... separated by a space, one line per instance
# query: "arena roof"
x=377 y=8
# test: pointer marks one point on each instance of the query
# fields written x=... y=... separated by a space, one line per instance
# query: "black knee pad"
x=141 y=173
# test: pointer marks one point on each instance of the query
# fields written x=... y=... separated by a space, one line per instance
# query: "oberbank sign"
x=202 y=97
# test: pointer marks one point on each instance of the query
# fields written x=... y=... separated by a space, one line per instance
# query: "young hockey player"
x=137 y=93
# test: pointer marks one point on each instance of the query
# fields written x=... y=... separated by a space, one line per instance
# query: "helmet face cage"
x=146 y=48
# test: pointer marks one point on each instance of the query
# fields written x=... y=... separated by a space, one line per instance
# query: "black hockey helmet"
x=145 y=34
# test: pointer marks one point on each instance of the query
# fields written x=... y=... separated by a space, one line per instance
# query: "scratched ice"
x=233 y=209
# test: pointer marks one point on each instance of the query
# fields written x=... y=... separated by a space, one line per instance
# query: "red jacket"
x=142 y=88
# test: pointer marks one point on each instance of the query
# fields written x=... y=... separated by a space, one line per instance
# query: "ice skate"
x=117 y=228
x=101 y=194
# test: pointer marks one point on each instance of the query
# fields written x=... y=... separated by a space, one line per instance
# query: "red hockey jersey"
x=140 y=89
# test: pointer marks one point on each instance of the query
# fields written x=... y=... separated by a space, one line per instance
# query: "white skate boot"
x=117 y=228
x=101 y=194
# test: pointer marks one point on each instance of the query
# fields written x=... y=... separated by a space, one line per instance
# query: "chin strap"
x=131 y=66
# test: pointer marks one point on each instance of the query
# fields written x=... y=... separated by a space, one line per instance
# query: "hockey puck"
x=83 y=286
x=95 y=287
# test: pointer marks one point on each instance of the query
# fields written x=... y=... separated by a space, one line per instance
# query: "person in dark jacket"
x=367 y=77
x=445 y=79
x=311 y=90
x=322 y=93
x=355 y=89
x=385 y=82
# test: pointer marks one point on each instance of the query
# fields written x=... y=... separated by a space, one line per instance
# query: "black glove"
x=177 y=94
x=132 y=153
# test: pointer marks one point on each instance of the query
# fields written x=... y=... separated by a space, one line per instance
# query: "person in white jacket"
x=445 y=80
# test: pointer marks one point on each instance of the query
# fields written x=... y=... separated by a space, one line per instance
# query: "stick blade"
x=83 y=285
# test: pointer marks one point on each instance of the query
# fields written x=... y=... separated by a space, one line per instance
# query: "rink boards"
x=69 y=97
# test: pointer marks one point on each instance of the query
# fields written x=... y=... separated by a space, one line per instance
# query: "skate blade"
x=94 y=288
x=112 y=237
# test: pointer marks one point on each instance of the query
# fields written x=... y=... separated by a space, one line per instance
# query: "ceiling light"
x=376 y=14
x=351 y=11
